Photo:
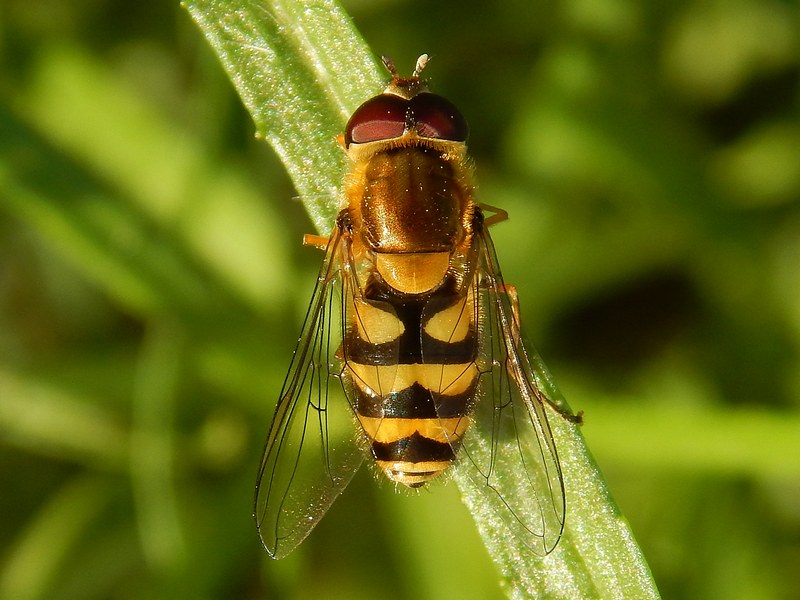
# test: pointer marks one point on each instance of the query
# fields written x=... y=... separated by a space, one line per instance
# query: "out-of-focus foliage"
x=152 y=285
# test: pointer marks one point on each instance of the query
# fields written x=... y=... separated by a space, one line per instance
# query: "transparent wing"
x=508 y=456
x=311 y=453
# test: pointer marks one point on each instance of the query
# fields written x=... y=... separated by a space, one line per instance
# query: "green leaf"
x=301 y=68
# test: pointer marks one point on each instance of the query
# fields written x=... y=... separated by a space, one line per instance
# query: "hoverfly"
x=412 y=337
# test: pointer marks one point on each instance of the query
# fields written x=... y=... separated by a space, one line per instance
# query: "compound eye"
x=380 y=118
x=438 y=118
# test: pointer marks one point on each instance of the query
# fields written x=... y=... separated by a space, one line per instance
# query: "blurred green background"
x=152 y=285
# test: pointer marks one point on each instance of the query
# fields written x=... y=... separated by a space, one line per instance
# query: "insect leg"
x=318 y=241
x=499 y=215
x=511 y=292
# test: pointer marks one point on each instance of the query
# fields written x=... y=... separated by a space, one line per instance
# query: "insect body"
x=413 y=332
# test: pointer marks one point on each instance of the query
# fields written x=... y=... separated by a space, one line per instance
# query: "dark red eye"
x=438 y=118
x=380 y=118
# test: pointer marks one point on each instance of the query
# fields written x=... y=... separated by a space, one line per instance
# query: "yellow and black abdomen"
x=411 y=360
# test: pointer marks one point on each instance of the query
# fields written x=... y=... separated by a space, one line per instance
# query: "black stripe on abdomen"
x=415 y=448
x=410 y=348
x=415 y=402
